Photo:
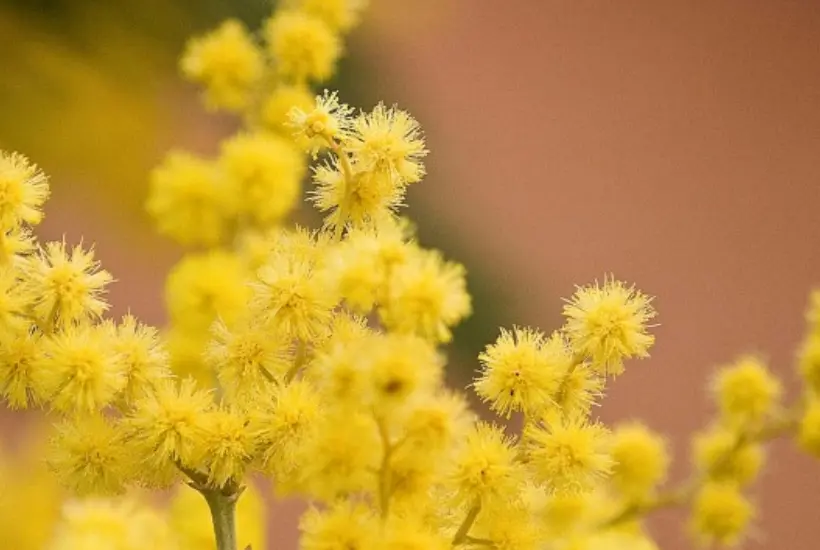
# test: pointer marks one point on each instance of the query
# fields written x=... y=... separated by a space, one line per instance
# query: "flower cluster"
x=314 y=357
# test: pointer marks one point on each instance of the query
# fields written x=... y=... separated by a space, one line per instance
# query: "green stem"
x=223 y=515
x=462 y=535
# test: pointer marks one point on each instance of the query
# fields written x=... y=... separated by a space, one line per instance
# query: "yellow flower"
x=293 y=298
x=325 y=122
x=398 y=368
x=303 y=47
x=247 y=358
x=718 y=454
x=204 y=287
x=15 y=243
x=171 y=424
x=279 y=104
x=341 y=457
x=427 y=296
x=88 y=456
x=23 y=190
x=191 y=201
x=720 y=513
x=608 y=324
x=77 y=370
x=266 y=171
x=227 y=447
x=388 y=141
x=144 y=361
x=361 y=200
x=339 y=15
x=19 y=355
x=520 y=373
x=640 y=460
x=485 y=468
x=282 y=427
x=227 y=62
x=746 y=391
x=344 y=525
x=64 y=286
x=569 y=455
x=438 y=421
x=580 y=387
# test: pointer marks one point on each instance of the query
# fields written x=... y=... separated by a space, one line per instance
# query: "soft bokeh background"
x=674 y=144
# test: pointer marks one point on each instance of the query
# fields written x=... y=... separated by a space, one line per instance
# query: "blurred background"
x=674 y=144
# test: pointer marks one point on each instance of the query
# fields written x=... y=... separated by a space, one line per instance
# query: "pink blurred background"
x=673 y=144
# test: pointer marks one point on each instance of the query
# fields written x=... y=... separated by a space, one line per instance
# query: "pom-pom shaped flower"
x=266 y=171
x=746 y=391
x=608 y=323
x=485 y=468
x=388 y=142
x=520 y=372
x=247 y=358
x=325 y=123
x=63 y=285
x=77 y=370
x=228 y=447
x=399 y=366
x=281 y=429
x=427 y=296
x=341 y=457
x=227 y=62
x=720 y=514
x=569 y=455
x=281 y=102
x=143 y=360
x=640 y=460
x=204 y=287
x=293 y=298
x=88 y=456
x=23 y=190
x=171 y=424
x=19 y=355
x=191 y=201
x=303 y=47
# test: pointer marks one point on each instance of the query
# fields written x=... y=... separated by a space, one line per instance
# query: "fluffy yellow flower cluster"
x=313 y=356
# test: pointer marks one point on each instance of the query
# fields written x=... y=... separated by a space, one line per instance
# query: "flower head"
x=78 y=371
x=426 y=296
x=23 y=190
x=570 y=454
x=388 y=141
x=303 y=47
x=227 y=62
x=720 y=513
x=64 y=285
x=190 y=200
x=746 y=391
x=519 y=374
x=608 y=323
x=325 y=123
